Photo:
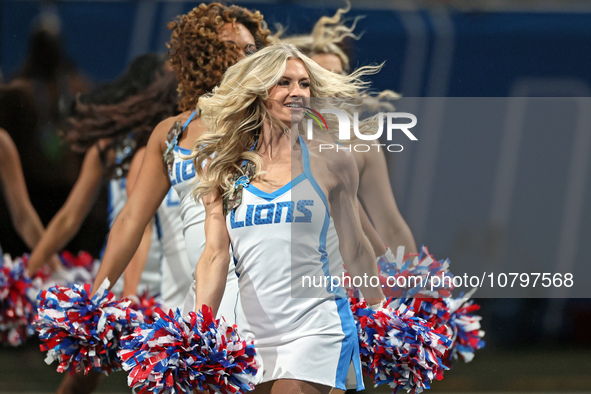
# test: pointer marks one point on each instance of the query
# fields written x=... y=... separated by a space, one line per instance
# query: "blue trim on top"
x=350 y=346
x=158 y=226
x=182 y=150
x=110 y=206
x=238 y=276
x=320 y=192
x=308 y=172
x=189 y=120
x=277 y=193
x=250 y=150
x=235 y=262
x=324 y=253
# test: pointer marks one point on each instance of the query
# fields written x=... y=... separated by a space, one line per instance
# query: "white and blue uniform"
x=192 y=215
x=301 y=331
x=151 y=277
x=176 y=272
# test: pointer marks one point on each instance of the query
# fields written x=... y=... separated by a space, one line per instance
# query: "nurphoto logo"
x=344 y=129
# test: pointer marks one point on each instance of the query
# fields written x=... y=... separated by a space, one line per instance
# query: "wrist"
x=135 y=300
x=375 y=306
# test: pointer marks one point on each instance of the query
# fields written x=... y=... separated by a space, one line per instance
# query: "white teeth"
x=292 y=105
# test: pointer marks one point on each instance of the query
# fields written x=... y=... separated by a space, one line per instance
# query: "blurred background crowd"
x=467 y=194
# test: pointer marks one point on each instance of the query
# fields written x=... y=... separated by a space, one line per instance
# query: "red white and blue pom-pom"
x=466 y=333
x=17 y=309
x=436 y=311
x=398 y=349
x=83 y=259
x=146 y=305
x=457 y=316
x=83 y=333
x=414 y=275
x=173 y=355
x=78 y=269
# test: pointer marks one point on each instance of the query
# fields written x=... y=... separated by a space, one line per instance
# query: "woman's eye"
x=305 y=85
x=283 y=83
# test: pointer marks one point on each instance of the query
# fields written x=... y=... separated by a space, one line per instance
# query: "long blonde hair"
x=235 y=111
x=327 y=37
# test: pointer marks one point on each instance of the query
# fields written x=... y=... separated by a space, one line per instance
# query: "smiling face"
x=240 y=36
x=288 y=97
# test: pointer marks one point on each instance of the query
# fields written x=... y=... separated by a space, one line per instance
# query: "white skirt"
x=319 y=350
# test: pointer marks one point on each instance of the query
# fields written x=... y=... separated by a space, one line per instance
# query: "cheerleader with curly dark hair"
x=204 y=43
x=209 y=39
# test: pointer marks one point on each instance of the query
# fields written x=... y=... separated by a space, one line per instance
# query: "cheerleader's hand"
x=135 y=300
x=377 y=306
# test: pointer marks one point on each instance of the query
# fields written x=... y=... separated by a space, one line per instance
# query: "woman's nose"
x=296 y=91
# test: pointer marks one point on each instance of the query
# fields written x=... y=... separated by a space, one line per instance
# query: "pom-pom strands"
x=415 y=275
x=16 y=308
x=465 y=325
x=83 y=259
x=147 y=306
x=399 y=349
x=83 y=333
x=79 y=269
x=433 y=310
x=173 y=355
x=458 y=318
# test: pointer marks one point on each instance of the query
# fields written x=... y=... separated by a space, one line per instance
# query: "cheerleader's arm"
x=68 y=220
x=354 y=246
x=372 y=235
x=23 y=215
x=212 y=268
x=133 y=273
x=376 y=196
